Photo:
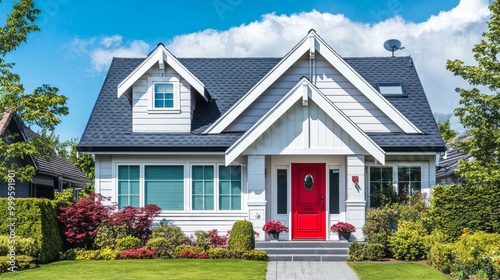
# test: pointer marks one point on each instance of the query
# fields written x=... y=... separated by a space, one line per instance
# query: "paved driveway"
x=310 y=270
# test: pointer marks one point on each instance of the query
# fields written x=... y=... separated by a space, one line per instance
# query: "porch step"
x=304 y=250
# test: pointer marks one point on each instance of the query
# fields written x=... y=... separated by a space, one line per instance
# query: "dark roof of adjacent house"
x=227 y=80
x=450 y=161
x=52 y=166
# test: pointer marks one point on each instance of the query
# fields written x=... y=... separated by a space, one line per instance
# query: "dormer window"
x=391 y=89
x=164 y=96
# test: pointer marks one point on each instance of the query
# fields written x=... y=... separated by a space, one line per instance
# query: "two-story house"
x=301 y=139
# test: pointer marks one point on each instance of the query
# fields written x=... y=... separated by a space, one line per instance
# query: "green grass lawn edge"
x=396 y=270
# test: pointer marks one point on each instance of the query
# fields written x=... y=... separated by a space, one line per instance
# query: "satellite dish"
x=393 y=45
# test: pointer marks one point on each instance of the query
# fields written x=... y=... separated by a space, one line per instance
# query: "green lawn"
x=396 y=270
x=146 y=269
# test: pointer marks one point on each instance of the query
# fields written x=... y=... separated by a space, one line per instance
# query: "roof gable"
x=312 y=43
x=304 y=90
x=161 y=56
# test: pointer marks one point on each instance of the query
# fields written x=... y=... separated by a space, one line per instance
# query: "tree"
x=40 y=108
x=479 y=112
x=443 y=123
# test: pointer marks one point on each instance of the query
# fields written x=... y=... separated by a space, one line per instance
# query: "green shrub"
x=255 y=255
x=36 y=218
x=236 y=253
x=23 y=246
x=202 y=239
x=128 y=242
x=163 y=248
x=107 y=254
x=108 y=235
x=172 y=233
x=86 y=255
x=440 y=257
x=355 y=252
x=190 y=252
x=380 y=224
x=218 y=253
x=407 y=243
x=457 y=207
x=241 y=236
x=373 y=252
x=477 y=253
x=22 y=262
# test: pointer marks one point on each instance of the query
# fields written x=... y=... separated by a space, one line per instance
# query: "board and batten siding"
x=144 y=120
x=333 y=84
x=305 y=130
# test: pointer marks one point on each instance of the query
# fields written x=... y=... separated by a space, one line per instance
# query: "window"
x=381 y=188
x=282 y=191
x=203 y=187
x=229 y=188
x=163 y=95
x=409 y=180
x=391 y=89
x=128 y=186
x=164 y=186
x=334 y=191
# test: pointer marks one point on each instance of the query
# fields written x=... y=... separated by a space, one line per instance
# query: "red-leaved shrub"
x=137 y=220
x=141 y=253
x=217 y=240
x=189 y=252
x=80 y=220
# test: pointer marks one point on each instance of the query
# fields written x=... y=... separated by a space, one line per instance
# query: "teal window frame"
x=230 y=187
x=164 y=186
x=203 y=187
x=129 y=185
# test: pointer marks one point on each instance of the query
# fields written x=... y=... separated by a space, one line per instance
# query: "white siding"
x=104 y=182
x=304 y=130
x=145 y=120
x=333 y=84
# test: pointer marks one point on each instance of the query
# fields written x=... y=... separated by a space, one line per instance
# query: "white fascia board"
x=285 y=104
x=362 y=85
x=161 y=54
x=274 y=74
x=264 y=122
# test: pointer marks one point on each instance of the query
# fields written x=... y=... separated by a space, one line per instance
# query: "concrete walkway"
x=309 y=270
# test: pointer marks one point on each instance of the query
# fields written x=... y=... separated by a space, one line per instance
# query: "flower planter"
x=344 y=236
x=274 y=236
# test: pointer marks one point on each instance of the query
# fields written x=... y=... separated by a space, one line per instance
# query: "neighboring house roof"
x=450 y=161
x=54 y=165
x=227 y=80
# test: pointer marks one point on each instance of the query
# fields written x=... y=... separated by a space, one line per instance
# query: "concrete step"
x=304 y=250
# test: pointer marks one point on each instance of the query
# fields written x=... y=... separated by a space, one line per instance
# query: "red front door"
x=308 y=201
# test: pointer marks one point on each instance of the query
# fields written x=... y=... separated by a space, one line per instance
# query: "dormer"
x=162 y=92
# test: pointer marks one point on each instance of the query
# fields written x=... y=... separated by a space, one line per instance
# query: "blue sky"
x=78 y=38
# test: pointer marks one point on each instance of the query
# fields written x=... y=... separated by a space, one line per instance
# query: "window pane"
x=415 y=173
x=198 y=187
x=134 y=187
x=387 y=174
x=224 y=202
x=209 y=202
x=235 y=187
x=197 y=202
x=224 y=173
x=134 y=201
x=198 y=173
x=235 y=173
x=203 y=187
x=123 y=187
x=128 y=186
x=375 y=174
x=208 y=172
x=209 y=187
x=236 y=202
x=224 y=187
x=164 y=186
x=334 y=191
x=282 y=191
x=169 y=103
x=159 y=87
x=403 y=173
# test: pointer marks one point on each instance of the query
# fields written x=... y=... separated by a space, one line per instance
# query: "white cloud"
x=448 y=35
x=102 y=49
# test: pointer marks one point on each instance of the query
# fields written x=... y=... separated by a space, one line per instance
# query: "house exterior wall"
x=147 y=119
x=333 y=84
x=305 y=130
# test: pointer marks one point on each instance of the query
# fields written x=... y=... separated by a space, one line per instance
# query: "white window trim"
x=175 y=81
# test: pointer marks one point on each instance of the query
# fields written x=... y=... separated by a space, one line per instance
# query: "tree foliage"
x=40 y=108
x=443 y=123
x=479 y=112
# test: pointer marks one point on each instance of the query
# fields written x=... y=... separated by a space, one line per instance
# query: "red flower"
x=274 y=227
x=342 y=227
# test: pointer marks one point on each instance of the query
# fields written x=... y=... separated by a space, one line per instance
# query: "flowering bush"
x=274 y=227
x=217 y=240
x=342 y=227
x=141 y=253
x=137 y=220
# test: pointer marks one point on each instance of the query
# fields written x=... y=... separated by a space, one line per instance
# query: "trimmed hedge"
x=36 y=218
x=21 y=263
x=241 y=236
x=474 y=207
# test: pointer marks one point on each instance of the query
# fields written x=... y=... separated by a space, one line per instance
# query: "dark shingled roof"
x=227 y=80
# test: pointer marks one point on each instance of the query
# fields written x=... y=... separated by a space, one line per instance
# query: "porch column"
x=355 y=203
x=257 y=193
